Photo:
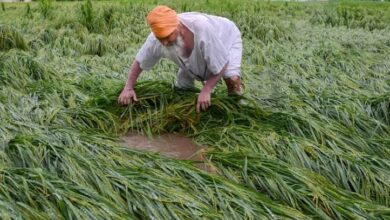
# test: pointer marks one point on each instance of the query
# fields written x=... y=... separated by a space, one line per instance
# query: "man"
x=205 y=47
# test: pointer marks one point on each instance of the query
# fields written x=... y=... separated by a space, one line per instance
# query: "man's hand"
x=204 y=101
x=204 y=98
x=127 y=96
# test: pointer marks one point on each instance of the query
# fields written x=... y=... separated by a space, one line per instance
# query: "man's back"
x=224 y=29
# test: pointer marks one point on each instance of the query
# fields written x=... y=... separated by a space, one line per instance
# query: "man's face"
x=173 y=43
x=170 y=39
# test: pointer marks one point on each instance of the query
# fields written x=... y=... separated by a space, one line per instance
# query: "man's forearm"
x=212 y=81
x=134 y=72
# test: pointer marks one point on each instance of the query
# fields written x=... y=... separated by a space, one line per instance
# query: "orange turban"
x=162 y=20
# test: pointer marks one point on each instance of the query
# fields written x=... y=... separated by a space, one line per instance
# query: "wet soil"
x=170 y=145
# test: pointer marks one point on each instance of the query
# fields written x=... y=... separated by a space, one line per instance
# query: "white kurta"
x=217 y=41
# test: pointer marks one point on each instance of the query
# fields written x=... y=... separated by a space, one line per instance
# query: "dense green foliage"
x=311 y=140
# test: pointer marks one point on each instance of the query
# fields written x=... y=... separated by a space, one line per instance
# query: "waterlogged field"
x=311 y=142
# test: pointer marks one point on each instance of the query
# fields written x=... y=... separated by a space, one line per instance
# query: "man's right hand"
x=127 y=96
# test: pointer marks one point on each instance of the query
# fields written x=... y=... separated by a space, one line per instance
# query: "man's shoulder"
x=151 y=44
x=151 y=39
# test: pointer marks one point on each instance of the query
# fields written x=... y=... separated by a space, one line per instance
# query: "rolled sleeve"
x=149 y=54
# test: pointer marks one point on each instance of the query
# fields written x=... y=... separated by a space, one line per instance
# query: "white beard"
x=177 y=48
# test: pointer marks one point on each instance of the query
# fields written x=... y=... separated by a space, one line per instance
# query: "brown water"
x=170 y=145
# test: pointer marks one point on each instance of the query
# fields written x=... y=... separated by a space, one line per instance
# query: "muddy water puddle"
x=170 y=145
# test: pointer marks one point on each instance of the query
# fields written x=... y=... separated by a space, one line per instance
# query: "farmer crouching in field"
x=205 y=48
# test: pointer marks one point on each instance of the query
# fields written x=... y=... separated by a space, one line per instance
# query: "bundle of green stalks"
x=309 y=139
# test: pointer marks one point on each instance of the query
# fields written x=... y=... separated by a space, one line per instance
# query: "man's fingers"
x=204 y=107
x=207 y=104
x=127 y=97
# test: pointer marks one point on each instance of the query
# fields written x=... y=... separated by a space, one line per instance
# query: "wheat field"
x=310 y=138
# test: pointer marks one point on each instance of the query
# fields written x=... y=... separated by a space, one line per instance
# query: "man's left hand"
x=204 y=98
x=204 y=101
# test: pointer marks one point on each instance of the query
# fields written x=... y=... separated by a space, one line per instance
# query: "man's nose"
x=165 y=42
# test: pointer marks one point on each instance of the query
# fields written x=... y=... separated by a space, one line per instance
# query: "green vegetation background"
x=312 y=140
